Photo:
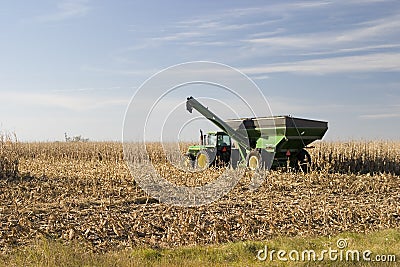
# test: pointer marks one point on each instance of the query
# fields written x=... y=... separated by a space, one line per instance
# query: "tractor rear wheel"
x=203 y=160
x=254 y=160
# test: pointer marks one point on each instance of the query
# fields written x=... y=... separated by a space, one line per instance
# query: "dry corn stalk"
x=85 y=192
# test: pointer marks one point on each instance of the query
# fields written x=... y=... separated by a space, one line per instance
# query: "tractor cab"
x=217 y=139
x=223 y=146
x=214 y=148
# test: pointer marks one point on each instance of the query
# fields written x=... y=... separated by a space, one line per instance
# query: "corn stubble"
x=84 y=192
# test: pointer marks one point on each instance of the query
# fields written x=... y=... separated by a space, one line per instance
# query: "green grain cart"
x=263 y=142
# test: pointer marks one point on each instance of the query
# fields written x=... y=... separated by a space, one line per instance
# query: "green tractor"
x=264 y=142
x=214 y=149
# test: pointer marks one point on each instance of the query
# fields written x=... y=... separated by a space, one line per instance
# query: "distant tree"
x=77 y=138
x=67 y=138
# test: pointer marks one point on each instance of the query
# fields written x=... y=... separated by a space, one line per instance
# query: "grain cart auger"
x=259 y=142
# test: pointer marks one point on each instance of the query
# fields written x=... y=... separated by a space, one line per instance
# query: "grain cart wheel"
x=254 y=160
x=203 y=160
x=304 y=160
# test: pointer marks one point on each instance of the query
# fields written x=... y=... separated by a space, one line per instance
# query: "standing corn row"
x=358 y=156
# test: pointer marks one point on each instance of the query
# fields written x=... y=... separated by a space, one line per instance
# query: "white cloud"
x=212 y=26
x=364 y=63
x=260 y=77
x=360 y=2
x=219 y=22
x=145 y=72
x=353 y=49
x=368 y=31
x=379 y=27
x=275 y=8
x=271 y=30
x=380 y=116
x=178 y=36
x=86 y=89
x=75 y=102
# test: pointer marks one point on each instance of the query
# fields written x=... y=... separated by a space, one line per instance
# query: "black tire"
x=303 y=161
x=203 y=160
x=254 y=160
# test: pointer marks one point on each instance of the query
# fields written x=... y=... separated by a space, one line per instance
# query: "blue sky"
x=72 y=66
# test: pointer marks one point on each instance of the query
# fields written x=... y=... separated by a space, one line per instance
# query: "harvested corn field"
x=84 y=192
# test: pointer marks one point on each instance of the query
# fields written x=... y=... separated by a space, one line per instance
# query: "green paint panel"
x=280 y=132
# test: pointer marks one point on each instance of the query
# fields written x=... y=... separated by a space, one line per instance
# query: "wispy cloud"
x=65 y=10
x=367 y=31
x=219 y=25
x=273 y=30
x=87 y=89
x=354 y=49
x=360 y=2
x=212 y=28
x=260 y=77
x=226 y=20
x=141 y=72
x=270 y=9
x=64 y=101
x=372 y=62
x=380 y=116
x=178 y=36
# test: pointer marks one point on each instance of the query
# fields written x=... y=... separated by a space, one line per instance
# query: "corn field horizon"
x=84 y=192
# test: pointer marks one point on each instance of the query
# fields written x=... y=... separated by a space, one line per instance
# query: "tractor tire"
x=203 y=160
x=303 y=161
x=254 y=160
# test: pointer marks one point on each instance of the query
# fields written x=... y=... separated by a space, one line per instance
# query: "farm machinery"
x=258 y=143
